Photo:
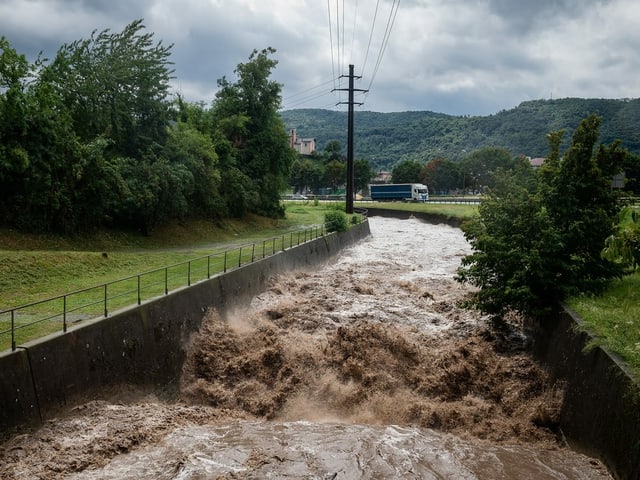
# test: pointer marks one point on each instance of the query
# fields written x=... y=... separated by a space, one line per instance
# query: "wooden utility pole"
x=350 y=169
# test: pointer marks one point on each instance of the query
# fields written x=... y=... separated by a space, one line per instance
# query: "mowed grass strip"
x=614 y=318
x=135 y=268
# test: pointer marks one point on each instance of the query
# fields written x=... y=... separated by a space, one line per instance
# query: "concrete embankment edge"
x=143 y=346
x=600 y=413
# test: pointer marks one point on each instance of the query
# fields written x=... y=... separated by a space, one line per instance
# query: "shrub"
x=335 y=221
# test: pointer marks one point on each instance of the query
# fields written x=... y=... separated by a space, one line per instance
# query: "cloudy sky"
x=460 y=57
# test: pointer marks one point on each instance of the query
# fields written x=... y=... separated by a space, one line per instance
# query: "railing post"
x=298 y=237
x=64 y=313
x=139 y=295
x=291 y=240
x=273 y=249
x=240 y=258
x=208 y=266
x=253 y=252
x=283 y=243
x=106 y=310
x=264 y=242
x=225 y=262
x=166 y=280
x=189 y=273
x=13 y=330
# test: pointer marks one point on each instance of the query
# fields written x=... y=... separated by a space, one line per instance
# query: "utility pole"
x=350 y=169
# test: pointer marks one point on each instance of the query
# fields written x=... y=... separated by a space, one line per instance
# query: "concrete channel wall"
x=144 y=345
x=600 y=413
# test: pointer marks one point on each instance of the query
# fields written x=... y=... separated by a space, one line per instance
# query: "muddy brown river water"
x=364 y=368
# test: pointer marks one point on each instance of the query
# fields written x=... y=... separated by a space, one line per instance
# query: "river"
x=366 y=367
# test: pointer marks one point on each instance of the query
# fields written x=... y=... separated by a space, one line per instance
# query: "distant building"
x=304 y=146
x=382 y=177
x=536 y=162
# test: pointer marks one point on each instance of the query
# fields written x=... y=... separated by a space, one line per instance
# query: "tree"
x=261 y=142
x=407 y=171
x=480 y=166
x=335 y=174
x=440 y=175
x=632 y=174
x=115 y=85
x=624 y=245
x=306 y=174
x=363 y=173
x=196 y=152
x=538 y=238
x=333 y=150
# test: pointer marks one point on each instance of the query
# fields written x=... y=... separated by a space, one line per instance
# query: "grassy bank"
x=462 y=211
x=614 y=318
x=35 y=267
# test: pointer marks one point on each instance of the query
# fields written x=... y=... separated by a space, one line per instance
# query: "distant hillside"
x=386 y=138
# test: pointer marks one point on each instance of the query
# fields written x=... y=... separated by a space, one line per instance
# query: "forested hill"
x=386 y=138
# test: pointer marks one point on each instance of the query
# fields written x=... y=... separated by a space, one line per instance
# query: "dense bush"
x=336 y=221
x=539 y=235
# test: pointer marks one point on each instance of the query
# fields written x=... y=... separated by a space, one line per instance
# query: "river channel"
x=365 y=368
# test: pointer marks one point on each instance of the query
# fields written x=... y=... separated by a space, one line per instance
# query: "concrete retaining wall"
x=144 y=345
x=601 y=410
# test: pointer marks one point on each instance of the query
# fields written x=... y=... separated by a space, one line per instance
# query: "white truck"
x=406 y=192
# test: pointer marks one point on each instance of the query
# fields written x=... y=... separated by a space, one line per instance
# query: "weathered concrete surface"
x=601 y=410
x=144 y=345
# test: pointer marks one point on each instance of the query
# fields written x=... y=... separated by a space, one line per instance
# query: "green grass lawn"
x=614 y=318
x=462 y=211
x=38 y=267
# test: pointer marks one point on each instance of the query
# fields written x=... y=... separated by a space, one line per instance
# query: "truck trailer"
x=406 y=192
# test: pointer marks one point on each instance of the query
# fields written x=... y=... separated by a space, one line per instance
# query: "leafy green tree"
x=14 y=105
x=363 y=173
x=152 y=191
x=624 y=245
x=407 y=171
x=440 y=175
x=256 y=131
x=306 y=174
x=514 y=247
x=335 y=174
x=194 y=150
x=115 y=85
x=577 y=193
x=480 y=166
x=50 y=180
x=538 y=239
x=333 y=151
x=632 y=174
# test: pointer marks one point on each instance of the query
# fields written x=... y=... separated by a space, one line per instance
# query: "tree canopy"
x=93 y=139
x=539 y=235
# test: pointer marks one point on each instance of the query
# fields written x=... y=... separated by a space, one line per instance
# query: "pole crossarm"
x=350 y=169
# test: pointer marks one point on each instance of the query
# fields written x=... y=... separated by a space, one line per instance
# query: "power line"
x=387 y=34
x=333 y=65
x=373 y=26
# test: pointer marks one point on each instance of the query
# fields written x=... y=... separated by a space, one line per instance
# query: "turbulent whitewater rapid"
x=366 y=367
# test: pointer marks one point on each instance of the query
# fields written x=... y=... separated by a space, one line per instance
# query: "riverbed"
x=366 y=367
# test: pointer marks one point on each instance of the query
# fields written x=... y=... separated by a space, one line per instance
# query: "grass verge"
x=37 y=267
x=614 y=318
x=461 y=211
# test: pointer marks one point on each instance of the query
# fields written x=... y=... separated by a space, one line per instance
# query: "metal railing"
x=37 y=319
